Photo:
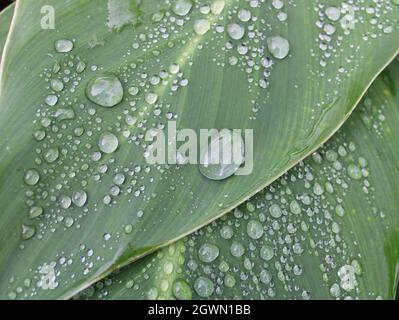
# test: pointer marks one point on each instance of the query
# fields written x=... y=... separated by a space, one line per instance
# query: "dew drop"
x=108 y=142
x=181 y=290
x=51 y=100
x=217 y=6
x=31 y=177
x=265 y=276
x=279 y=47
x=79 y=198
x=354 y=172
x=182 y=7
x=64 y=114
x=65 y=201
x=51 y=155
x=275 y=211
x=223 y=156
x=204 y=287
x=27 y=232
x=119 y=179
x=69 y=222
x=254 y=229
x=201 y=26
x=35 y=212
x=63 y=46
x=57 y=85
x=235 y=31
x=151 y=97
x=237 y=249
x=333 y=13
x=266 y=253
x=244 y=15
x=133 y=91
x=208 y=252
x=226 y=232
x=105 y=90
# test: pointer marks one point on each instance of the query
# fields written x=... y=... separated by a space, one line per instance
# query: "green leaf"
x=310 y=94
x=327 y=229
x=5 y=22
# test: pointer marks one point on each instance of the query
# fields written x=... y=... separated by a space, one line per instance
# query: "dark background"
x=4 y=3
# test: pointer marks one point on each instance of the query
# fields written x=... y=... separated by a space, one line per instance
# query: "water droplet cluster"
x=262 y=249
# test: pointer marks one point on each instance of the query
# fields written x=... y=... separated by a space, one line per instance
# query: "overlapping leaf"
x=327 y=229
x=220 y=84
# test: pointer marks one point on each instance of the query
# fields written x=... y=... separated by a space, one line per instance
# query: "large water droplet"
x=51 y=155
x=279 y=47
x=31 y=177
x=235 y=31
x=181 y=290
x=223 y=156
x=266 y=253
x=217 y=6
x=275 y=211
x=244 y=15
x=65 y=201
x=151 y=97
x=79 y=198
x=57 y=85
x=204 y=287
x=237 y=249
x=201 y=26
x=27 y=232
x=35 y=212
x=105 y=90
x=333 y=13
x=354 y=172
x=108 y=142
x=182 y=7
x=254 y=229
x=208 y=252
x=63 y=46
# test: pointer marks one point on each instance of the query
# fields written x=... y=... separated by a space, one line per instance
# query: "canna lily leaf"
x=78 y=197
x=327 y=229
